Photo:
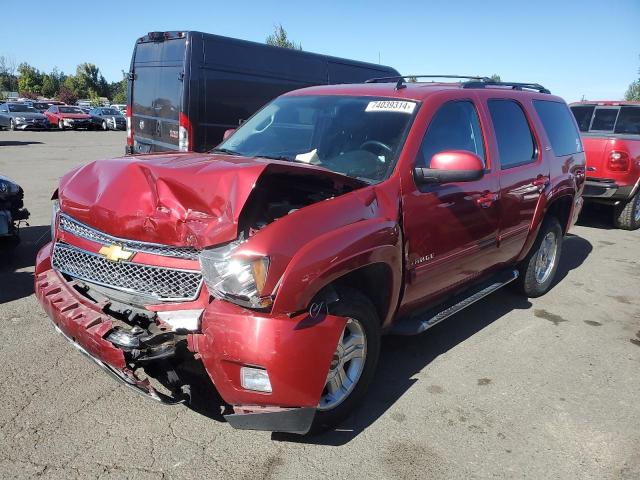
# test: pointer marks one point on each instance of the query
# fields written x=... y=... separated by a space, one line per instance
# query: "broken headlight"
x=237 y=279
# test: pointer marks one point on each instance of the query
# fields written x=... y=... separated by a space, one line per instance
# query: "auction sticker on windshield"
x=390 y=106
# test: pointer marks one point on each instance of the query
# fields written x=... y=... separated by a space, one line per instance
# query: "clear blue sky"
x=574 y=48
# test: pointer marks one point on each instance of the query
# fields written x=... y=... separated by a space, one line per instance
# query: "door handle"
x=486 y=199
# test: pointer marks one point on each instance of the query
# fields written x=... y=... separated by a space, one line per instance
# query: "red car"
x=335 y=214
x=611 y=138
x=68 y=116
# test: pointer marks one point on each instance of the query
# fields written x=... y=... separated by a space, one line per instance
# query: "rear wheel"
x=354 y=362
x=538 y=269
x=627 y=216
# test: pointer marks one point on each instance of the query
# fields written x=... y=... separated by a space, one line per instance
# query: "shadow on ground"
x=595 y=215
x=17 y=143
x=402 y=358
x=16 y=284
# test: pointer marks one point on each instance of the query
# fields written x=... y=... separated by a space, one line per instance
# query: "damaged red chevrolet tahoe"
x=335 y=214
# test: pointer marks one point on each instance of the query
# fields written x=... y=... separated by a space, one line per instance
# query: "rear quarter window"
x=560 y=128
x=604 y=119
x=515 y=140
x=583 y=114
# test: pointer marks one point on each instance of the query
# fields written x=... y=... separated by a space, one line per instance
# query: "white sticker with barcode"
x=391 y=106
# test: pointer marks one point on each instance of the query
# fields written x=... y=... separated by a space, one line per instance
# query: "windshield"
x=110 y=111
x=357 y=136
x=22 y=108
x=70 y=110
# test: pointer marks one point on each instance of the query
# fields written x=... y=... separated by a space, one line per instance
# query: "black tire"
x=353 y=304
x=12 y=125
x=528 y=283
x=627 y=215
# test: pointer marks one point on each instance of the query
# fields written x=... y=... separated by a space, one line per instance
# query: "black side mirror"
x=450 y=166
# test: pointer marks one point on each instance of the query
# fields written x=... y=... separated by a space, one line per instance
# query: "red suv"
x=335 y=214
x=611 y=137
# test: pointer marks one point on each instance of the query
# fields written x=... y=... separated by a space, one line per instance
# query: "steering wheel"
x=375 y=143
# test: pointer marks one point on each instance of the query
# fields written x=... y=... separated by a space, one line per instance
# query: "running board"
x=419 y=322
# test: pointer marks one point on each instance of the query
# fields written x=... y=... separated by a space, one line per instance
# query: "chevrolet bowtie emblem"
x=115 y=253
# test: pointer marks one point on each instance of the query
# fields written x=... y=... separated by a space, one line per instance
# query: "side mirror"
x=450 y=166
x=228 y=133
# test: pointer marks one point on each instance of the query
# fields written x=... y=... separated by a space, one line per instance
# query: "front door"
x=451 y=229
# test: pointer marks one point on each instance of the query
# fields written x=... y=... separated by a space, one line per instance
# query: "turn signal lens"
x=256 y=379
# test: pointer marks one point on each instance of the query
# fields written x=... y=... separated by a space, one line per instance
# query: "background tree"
x=29 y=79
x=495 y=77
x=633 y=92
x=8 y=78
x=51 y=82
x=67 y=96
x=279 y=38
x=118 y=91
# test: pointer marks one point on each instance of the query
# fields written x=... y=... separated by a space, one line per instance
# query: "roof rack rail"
x=402 y=79
x=474 y=81
x=514 y=85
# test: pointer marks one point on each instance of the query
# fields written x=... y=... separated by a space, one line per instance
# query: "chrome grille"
x=74 y=227
x=164 y=284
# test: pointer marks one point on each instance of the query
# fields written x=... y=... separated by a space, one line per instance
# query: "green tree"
x=633 y=92
x=8 y=78
x=29 y=79
x=51 y=82
x=495 y=77
x=279 y=38
x=118 y=91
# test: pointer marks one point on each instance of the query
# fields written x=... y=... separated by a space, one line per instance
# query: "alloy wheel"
x=546 y=257
x=346 y=365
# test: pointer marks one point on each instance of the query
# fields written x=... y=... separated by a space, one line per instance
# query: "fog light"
x=182 y=319
x=255 y=379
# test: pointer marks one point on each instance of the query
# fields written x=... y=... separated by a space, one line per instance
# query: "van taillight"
x=185 y=134
x=129 y=127
x=618 y=161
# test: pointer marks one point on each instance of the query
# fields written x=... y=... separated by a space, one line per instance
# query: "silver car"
x=19 y=116
x=109 y=118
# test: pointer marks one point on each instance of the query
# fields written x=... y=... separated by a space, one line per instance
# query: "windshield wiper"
x=275 y=157
x=224 y=150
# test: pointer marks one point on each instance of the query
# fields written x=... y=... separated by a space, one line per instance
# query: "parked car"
x=110 y=118
x=18 y=116
x=12 y=210
x=41 y=106
x=121 y=107
x=333 y=215
x=611 y=137
x=189 y=87
x=68 y=116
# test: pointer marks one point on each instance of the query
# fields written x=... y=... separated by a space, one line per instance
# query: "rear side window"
x=559 y=126
x=515 y=140
x=604 y=119
x=583 y=114
x=455 y=126
x=628 y=121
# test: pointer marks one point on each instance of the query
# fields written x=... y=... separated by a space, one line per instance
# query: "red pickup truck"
x=335 y=214
x=611 y=138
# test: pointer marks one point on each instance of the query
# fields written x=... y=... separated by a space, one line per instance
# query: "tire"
x=359 y=309
x=12 y=126
x=535 y=282
x=627 y=216
x=104 y=126
x=60 y=125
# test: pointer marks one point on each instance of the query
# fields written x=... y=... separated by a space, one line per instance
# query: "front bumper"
x=32 y=126
x=295 y=350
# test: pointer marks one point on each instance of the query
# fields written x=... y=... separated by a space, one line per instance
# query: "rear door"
x=157 y=94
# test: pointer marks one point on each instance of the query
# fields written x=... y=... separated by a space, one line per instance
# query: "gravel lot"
x=510 y=388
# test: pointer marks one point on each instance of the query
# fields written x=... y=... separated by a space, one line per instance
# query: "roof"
x=417 y=91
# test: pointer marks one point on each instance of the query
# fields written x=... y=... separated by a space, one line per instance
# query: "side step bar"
x=421 y=321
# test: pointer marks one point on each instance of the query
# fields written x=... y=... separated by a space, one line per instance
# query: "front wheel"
x=538 y=269
x=12 y=125
x=354 y=362
x=627 y=216
x=60 y=125
x=104 y=125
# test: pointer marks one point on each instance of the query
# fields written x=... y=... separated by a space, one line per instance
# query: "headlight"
x=237 y=279
x=55 y=212
x=19 y=119
x=8 y=186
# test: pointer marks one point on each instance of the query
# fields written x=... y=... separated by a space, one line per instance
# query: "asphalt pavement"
x=546 y=388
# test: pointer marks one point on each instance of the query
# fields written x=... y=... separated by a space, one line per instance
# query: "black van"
x=187 y=88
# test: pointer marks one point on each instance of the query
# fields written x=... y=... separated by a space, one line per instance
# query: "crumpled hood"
x=173 y=199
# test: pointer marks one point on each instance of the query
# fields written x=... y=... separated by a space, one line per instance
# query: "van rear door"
x=156 y=93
